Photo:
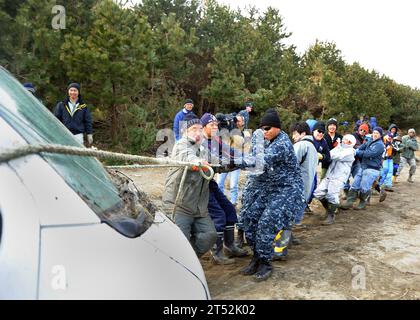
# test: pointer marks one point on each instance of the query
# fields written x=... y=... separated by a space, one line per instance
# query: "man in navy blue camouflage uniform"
x=275 y=196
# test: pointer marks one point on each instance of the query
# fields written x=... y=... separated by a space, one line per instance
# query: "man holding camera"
x=245 y=113
x=237 y=140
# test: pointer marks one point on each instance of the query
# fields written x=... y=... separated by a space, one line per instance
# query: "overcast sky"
x=380 y=34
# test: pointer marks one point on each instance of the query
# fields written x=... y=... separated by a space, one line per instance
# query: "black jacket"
x=359 y=140
x=79 y=122
x=322 y=148
x=332 y=143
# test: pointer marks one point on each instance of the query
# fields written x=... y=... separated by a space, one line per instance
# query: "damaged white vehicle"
x=64 y=228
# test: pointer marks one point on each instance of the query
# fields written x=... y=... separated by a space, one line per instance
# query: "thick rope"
x=141 y=166
x=10 y=154
x=178 y=195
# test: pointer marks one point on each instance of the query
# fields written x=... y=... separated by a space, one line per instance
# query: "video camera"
x=227 y=121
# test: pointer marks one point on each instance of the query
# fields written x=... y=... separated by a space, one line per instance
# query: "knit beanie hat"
x=332 y=121
x=207 y=118
x=191 y=120
x=320 y=126
x=74 y=85
x=365 y=127
x=188 y=101
x=270 y=119
x=379 y=129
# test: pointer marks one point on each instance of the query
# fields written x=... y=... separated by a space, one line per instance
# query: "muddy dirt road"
x=370 y=254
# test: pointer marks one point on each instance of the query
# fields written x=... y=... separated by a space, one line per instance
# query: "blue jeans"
x=221 y=210
x=355 y=168
x=387 y=173
x=234 y=182
x=364 y=180
x=314 y=185
x=301 y=214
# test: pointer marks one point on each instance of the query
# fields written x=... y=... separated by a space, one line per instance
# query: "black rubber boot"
x=217 y=254
x=332 y=210
x=264 y=271
x=240 y=241
x=294 y=241
x=252 y=267
x=369 y=198
x=364 y=196
x=351 y=198
x=324 y=203
x=231 y=250
x=382 y=194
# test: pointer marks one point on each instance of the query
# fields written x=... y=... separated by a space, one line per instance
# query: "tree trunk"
x=114 y=117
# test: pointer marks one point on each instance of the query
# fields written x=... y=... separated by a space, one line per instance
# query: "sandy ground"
x=370 y=254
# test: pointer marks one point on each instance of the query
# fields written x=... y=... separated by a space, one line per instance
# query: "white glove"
x=90 y=138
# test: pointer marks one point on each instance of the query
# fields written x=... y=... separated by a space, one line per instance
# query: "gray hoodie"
x=307 y=158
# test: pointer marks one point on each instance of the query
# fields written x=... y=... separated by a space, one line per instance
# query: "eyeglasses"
x=266 y=128
x=362 y=130
x=321 y=132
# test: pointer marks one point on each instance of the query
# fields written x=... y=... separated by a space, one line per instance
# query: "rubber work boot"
x=368 y=199
x=351 y=198
x=264 y=271
x=281 y=243
x=240 y=240
x=294 y=241
x=332 y=209
x=231 y=250
x=217 y=254
x=363 y=200
x=252 y=267
x=382 y=194
x=324 y=203
x=410 y=178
